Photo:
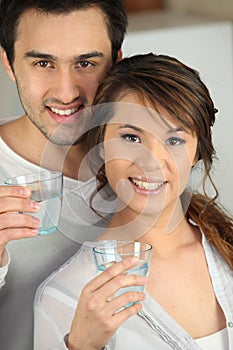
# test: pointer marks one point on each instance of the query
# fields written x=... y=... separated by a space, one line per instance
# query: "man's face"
x=59 y=62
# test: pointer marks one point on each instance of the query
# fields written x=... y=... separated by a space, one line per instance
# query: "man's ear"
x=119 y=55
x=6 y=64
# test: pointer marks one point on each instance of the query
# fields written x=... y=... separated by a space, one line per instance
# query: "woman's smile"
x=147 y=186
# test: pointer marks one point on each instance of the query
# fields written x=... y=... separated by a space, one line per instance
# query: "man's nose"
x=66 y=86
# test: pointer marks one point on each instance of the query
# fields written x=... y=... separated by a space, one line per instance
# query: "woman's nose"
x=152 y=158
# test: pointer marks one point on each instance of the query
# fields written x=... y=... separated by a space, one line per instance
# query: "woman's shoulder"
x=69 y=278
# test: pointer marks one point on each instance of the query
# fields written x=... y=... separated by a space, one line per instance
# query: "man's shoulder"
x=8 y=127
x=7 y=120
x=6 y=123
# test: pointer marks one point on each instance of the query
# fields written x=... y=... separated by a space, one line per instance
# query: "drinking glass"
x=110 y=252
x=46 y=188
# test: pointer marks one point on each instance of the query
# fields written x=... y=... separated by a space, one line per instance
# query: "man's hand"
x=14 y=224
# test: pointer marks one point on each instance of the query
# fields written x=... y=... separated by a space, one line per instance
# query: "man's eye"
x=84 y=64
x=43 y=64
x=175 y=141
x=131 y=138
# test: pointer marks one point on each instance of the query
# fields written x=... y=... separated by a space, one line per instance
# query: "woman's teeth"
x=150 y=186
x=62 y=112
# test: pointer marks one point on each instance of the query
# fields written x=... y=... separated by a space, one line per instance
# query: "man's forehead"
x=59 y=36
x=54 y=23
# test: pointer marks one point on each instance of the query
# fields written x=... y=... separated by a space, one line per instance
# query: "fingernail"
x=34 y=232
x=35 y=205
x=142 y=279
x=36 y=220
x=143 y=296
x=134 y=259
x=24 y=191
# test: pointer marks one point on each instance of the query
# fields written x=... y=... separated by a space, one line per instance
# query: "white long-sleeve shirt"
x=4 y=267
x=33 y=259
x=152 y=329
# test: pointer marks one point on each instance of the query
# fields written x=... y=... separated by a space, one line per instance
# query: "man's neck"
x=28 y=142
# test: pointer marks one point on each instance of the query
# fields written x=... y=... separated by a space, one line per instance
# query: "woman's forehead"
x=143 y=117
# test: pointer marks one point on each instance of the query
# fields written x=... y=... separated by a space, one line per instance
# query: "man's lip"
x=64 y=111
x=65 y=119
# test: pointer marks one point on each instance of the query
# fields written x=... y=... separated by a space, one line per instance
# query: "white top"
x=4 y=267
x=151 y=329
x=33 y=259
x=215 y=341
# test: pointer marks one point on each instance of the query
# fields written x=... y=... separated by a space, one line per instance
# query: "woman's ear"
x=101 y=150
x=195 y=161
x=6 y=64
x=196 y=158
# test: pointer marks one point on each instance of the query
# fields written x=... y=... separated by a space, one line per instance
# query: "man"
x=57 y=52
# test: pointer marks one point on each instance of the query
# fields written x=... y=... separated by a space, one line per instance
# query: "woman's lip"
x=147 y=187
x=147 y=179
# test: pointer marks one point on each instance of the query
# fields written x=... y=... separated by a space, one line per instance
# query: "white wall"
x=209 y=49
x=9 y=101
x=222 y=9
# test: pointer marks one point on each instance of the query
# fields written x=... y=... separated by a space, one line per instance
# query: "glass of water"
x=110 y=252
x=46 y=188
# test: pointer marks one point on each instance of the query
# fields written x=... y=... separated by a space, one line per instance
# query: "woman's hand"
x=98 y=315
x=14 y=200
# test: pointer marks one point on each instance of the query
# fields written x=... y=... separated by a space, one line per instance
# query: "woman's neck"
x=169 y=229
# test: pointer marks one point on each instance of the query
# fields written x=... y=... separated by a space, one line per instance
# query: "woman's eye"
x=175 y=141
x=131 y=138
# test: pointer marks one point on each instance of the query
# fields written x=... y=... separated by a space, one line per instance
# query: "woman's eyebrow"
x=131 y=127
x=170 y=131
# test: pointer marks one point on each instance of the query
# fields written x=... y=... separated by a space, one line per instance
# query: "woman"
x=151 y=126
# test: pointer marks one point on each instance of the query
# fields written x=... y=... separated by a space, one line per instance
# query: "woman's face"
x=148 y=157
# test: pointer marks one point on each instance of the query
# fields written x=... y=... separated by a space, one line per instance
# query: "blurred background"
x=221 y=9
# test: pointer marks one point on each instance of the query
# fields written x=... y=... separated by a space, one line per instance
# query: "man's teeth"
x=150 y=186
x=64 y=111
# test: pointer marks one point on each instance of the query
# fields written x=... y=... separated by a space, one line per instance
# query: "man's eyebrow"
x=82 y=57
x=36 y=54
x=86 y=56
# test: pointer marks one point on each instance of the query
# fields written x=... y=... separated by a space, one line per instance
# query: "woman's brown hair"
x=166 y=82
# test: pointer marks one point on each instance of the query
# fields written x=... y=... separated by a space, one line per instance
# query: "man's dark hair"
x=12 y=10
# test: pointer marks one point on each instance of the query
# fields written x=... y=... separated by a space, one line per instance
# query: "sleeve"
x=54 y=309
x=4 y=267
x=56 y=301
x=53 y=315
x=52 y=338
